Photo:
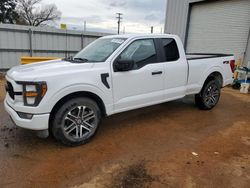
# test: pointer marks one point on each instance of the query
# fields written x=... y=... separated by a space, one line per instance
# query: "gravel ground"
x=168 y=145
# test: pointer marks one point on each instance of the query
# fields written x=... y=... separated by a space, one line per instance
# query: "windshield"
x=99 y=50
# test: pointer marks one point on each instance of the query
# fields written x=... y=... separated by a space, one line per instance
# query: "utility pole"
x=84 y=26
x=119 y=21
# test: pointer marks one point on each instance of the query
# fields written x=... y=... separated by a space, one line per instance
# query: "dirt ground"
x=2 y=88
x=168 y=145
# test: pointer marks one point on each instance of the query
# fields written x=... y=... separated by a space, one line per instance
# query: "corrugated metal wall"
x=247 y=58
x=17 y=41
x=219 y=27
x=177 y=22
x=177 y=17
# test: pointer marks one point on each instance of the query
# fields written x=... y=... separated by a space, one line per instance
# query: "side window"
x=170 y=49
x=142 y=52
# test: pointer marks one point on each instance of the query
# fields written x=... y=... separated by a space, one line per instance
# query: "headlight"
x=33 y=92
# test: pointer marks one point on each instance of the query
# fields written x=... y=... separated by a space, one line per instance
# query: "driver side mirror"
x=123 y=65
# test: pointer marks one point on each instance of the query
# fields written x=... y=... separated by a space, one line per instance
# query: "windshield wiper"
x=77 y=59
x=80 y=59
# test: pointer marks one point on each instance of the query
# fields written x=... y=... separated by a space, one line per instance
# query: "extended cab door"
x=176 y=68
x=143 y=85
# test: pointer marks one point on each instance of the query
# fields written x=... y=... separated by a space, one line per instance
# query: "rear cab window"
x=170 y=49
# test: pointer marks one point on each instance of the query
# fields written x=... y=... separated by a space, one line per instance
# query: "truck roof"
x=130 y=36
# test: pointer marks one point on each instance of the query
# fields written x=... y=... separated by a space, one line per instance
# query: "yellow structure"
x=63 y=26
x=28 y=60
x=238 y=64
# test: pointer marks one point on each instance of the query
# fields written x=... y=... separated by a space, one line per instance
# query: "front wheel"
x=76 y=122
x=209 y=95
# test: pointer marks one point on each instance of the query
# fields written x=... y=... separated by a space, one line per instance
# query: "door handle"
x=156 y=73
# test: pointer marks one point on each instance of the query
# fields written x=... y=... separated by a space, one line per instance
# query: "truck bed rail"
x=195 y=56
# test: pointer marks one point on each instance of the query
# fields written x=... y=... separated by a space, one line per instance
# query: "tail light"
x=232 y=65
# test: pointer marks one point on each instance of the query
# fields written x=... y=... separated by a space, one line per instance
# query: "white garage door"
x=219 y=27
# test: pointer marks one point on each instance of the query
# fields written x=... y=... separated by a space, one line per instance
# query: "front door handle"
x=156 y=73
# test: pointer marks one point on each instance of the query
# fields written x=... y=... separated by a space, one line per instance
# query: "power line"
x=119 y=21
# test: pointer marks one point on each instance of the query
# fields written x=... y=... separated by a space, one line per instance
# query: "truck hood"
x=32 y=72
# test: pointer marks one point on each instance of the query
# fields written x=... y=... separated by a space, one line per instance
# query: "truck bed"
x=199 y=64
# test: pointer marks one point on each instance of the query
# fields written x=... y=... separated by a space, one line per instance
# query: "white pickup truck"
x=114 y=74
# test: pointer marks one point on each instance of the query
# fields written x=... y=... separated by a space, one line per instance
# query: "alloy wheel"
x=212 y=95
x=79 y=122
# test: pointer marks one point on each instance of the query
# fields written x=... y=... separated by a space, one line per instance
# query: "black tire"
x=209 y=95
x=76 y=121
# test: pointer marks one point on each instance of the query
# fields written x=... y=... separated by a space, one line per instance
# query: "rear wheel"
x=76 y=122
x=209 y=95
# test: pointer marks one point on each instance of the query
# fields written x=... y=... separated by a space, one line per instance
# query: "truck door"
x=176 y=69
x=144 y=84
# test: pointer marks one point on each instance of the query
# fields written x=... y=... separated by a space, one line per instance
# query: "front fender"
x=107 y=101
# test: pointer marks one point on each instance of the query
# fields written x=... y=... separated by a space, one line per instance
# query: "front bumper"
x=38 y=122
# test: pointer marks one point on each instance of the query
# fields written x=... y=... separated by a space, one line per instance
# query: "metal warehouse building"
x=210 y=26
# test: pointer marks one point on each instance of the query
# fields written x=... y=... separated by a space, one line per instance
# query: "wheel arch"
x=216 y=75
x=213 y=74
x=73 y=95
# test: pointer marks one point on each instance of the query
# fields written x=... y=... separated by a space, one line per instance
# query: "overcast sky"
x=139 y=15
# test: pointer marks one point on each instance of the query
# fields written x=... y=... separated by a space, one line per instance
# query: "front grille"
x=10 y=90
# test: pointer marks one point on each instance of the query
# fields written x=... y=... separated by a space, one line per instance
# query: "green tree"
x=8 y=12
